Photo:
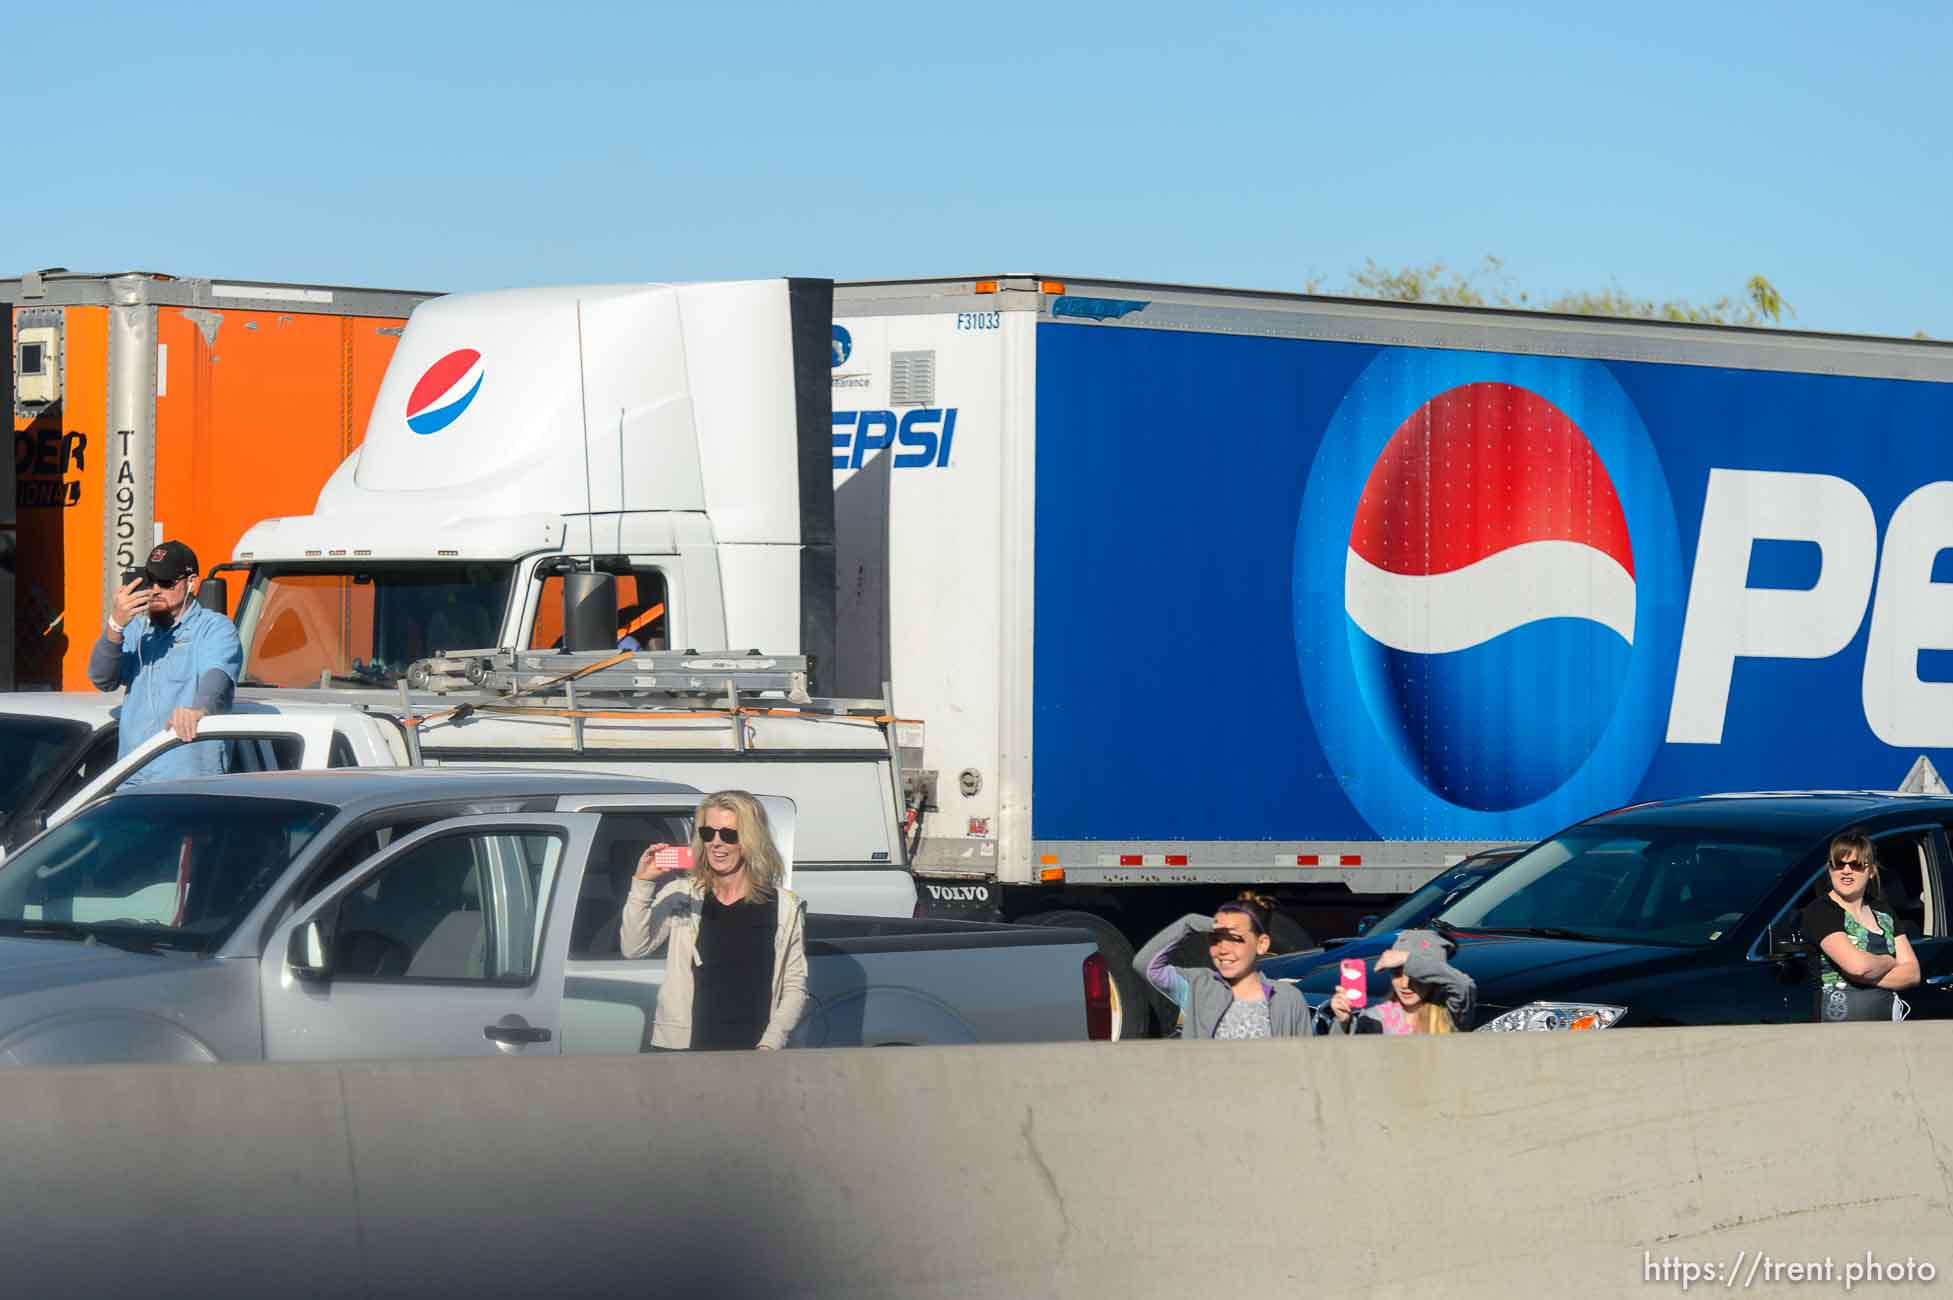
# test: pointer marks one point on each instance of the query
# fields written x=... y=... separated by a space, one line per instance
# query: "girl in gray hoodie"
x=1230 y=998
x=1428 y=995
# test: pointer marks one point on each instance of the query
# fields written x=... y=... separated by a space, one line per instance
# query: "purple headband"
x=1245 y=910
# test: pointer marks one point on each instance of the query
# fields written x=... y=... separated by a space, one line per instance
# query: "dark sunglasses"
x=730 y=834
x=1851 y=864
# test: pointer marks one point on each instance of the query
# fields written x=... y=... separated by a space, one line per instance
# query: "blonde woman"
x=1428 y=995
x=736 y=957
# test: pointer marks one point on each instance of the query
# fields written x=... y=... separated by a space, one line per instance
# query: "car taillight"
x=1098 y=999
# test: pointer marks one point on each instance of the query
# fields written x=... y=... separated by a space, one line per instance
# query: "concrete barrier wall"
x=1473 y=1166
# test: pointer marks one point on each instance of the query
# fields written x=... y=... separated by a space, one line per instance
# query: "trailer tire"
x=1286 y=934
x=1129 y=1017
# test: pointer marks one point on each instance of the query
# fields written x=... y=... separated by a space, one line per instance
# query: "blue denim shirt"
x=164 y=670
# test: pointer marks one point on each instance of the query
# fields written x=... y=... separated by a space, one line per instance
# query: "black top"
x=1825 y=917
x=733 y=986
x=1839 y=998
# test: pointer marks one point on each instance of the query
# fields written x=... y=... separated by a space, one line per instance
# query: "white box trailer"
x=1200 y=590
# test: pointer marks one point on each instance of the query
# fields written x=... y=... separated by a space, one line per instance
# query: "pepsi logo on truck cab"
x=444 y=391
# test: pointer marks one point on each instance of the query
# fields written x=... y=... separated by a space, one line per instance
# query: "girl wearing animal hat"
x=1428 y=995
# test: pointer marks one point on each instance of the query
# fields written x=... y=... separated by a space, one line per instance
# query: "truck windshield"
x=30 y=749
x=1677 y=886
x=162 y=871
x=363 y=626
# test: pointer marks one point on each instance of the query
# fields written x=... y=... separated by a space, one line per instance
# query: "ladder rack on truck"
x=647 y=673
x=580 y=687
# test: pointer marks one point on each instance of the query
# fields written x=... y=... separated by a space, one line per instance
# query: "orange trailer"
x=147 y=406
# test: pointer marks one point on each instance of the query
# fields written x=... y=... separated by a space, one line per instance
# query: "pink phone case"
x=673 y=857
x=1356 y=983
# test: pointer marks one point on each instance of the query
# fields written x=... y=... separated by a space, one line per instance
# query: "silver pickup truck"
x=437 y=912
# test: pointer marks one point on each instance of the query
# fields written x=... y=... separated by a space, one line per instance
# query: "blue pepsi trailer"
x=1210 y=589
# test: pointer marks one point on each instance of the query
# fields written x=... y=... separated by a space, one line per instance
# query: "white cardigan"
x=654 y=917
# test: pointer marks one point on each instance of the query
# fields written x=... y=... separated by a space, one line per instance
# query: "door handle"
x=501 y=1032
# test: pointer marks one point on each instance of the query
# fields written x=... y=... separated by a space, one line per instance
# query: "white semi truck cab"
x=675 y=436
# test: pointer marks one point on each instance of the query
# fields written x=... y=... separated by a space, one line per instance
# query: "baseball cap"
x=170 y=561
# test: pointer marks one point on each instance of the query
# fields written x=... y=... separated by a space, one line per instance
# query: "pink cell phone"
x=673 y=857
x=1356 y=983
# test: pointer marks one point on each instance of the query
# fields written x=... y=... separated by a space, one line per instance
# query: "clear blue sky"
x=1664 y=149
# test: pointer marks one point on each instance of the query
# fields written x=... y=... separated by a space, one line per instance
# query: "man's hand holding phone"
x=661 y=860
x=131 y=599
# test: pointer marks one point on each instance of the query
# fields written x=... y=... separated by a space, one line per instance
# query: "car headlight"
x=1553 y=1017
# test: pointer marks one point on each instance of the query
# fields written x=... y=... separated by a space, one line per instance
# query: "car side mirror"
x=24 y=826
x=306 y=954
x=1363 y=926
x=1786 y=944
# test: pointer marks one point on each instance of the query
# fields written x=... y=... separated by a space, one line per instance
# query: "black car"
x=1415 y=911
x=1434 y=895
x=1686 y=912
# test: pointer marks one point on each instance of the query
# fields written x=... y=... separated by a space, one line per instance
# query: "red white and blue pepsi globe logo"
x=444 y=391
x=1488 y=592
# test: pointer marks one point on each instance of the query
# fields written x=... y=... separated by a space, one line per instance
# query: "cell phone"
x=136 y=576
x=673 y=857
x=1356 y=984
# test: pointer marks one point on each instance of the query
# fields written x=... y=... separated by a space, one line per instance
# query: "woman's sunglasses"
x=730 y=834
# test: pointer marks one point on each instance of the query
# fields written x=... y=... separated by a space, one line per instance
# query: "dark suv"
x=1686 y=912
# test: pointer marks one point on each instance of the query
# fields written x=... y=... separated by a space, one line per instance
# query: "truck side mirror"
x=214 y=594
x=306 y=954
x=589 y=611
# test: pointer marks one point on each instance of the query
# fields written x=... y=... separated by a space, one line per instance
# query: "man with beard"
x=178 y=660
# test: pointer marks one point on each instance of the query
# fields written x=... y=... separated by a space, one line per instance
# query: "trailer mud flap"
x=964 y=900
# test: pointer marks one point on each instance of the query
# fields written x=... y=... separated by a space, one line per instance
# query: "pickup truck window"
x=621 y=840
x=468 y=907
x=163 y=870
x=95 y=760
x=1671 y=885
x=365 y=625
x=32 y=748
x=270 y=753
